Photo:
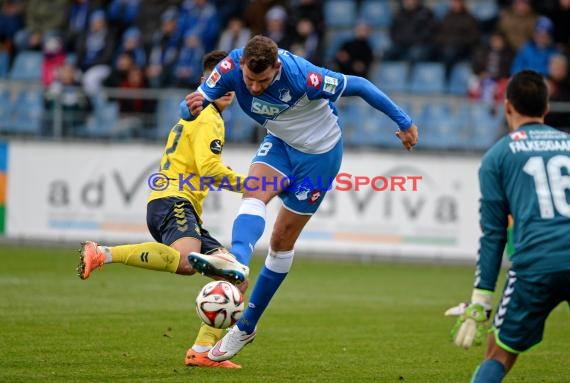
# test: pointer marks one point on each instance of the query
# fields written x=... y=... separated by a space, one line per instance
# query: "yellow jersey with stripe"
x=192 y=161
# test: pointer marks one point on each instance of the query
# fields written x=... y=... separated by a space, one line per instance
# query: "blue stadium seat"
x=485 y=126
x=104 y=121
x=392 y=76
x=459 y=79
x=440 y=9
x=167 y=114
x=380 y=41
x=441 y=127
x=364 y=126
x=4 y=108
x=484 y=10
x=376 y=13
x=427 y=78
x=26 y=112
x=4 y=64
x=340 y=13
x=27 y=66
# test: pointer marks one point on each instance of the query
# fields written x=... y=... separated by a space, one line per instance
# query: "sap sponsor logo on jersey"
x=265 y=108
x=314 y=80
x=227 y=65
x=331 y=84
x=213 y=79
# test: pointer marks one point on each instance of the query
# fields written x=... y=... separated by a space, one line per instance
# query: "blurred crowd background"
x=117 y=69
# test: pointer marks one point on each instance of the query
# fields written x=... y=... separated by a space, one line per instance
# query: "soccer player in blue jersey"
x=297 y=160
x=526 y=174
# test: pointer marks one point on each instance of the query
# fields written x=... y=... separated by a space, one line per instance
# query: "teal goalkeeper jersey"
x=525 y=174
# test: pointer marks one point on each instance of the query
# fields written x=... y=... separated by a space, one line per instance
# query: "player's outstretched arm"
x=359 y=86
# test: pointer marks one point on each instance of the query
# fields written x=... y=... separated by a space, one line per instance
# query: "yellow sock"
x=208 y=336
x=148 y=255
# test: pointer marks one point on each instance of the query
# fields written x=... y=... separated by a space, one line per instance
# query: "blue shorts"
x=169 y=219
x=526 y=303
x=310 y=175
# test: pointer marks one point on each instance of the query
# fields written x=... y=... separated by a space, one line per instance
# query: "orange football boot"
x=90 y=258
x=200 y=359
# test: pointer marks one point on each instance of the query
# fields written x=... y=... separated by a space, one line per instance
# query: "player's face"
x=257 y=83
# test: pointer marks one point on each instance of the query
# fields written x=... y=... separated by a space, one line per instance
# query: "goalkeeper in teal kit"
x=525 y=174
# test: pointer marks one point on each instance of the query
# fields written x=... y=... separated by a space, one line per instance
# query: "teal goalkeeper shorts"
x=526 y=303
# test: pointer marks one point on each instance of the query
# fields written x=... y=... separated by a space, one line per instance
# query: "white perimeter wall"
x=73 y=192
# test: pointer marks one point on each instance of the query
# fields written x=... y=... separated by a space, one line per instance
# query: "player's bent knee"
x=185 y=246
x=279 y=261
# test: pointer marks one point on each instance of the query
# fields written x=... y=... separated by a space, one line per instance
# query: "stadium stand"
x=427 y=77
x=27 y=66
x=439 y=103
x=340 y=13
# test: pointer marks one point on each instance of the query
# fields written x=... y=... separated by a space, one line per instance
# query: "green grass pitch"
x=331 y=321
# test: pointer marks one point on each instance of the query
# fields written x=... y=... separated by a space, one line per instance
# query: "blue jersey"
x=525 y=174
x=297 y=107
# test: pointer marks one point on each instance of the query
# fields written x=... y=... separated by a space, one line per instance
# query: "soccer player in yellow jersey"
x=192 y=156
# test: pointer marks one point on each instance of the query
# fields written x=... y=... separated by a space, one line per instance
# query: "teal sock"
x=490 y=371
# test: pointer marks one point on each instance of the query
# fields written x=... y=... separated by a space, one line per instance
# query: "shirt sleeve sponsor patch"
x=331 y=83
x=216 y=146
x=227 y=65
x=314 y=80
x=213 y=79
x=520 y=135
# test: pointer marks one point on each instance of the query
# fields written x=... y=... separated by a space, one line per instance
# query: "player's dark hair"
x=260 y=53
x=528 y=93
x=211 y=59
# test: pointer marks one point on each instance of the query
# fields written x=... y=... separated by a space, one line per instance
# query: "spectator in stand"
x=228 y=9
x=312 y=10
x=201 y=19
x=235 y=35
x=254 y=14
x=355 y=56
x=133 y=110
x=42 y=18
x=492 y=67
x=276 y=27
x=458 y=34
x=188 y=69
x=306 y=41
x=66 y=92
x=54 y=58
x=164 y=50
x=122 y=14
x=535 y=53
x=558 y=83
x=11 y=21
x=78 y=22
x=517 y=23
x=560 y=16
x=95 y=52
x=123 y=64
x=131 y=43
x=148 y=21
x=413 y=31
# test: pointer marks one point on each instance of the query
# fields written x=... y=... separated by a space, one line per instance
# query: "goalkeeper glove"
x=473 y=319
